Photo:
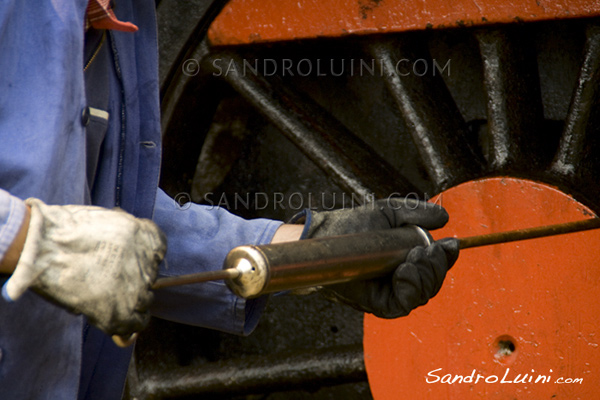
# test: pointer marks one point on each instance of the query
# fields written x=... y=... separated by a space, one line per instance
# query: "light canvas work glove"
x=415 y=281
x=91 y=261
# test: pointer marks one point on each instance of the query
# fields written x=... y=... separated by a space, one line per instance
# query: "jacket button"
x=85 y=116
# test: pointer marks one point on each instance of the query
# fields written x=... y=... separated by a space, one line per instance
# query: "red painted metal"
x=505 y=310
x=253 y=21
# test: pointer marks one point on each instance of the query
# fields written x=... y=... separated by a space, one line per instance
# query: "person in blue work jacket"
x=84 y=227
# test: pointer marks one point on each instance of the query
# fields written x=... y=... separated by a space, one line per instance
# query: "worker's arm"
x=287 y=233
x=200 y=237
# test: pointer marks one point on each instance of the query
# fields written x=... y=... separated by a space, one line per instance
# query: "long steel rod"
x=529 y=233
x=230 y=273
x=465 y=243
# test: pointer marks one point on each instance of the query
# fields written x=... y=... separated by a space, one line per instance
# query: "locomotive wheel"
x=280 y=143
x=512 y=321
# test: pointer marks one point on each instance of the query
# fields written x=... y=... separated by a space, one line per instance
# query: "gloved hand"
x=415 y=281
x=90 y=260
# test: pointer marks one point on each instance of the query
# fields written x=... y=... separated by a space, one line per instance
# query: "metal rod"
x=311 y=262
x=321 y=261
x=529 y=233
x=230 y=273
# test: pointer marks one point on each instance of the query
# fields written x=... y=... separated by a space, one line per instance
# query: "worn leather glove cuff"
x=26 y=271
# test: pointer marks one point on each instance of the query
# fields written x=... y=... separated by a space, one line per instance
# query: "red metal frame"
x=254 y=21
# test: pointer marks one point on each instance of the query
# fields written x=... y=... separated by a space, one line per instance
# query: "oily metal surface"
x=244 y=376
x=514 y=105
x=435 y=124
x=254 y=21
x=509 y=312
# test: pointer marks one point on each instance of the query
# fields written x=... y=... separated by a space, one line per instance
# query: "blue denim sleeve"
x=199 y=238
x=12 y=212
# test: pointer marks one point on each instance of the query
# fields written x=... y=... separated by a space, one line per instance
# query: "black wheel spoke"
x=345 y=158
x=580 y=124
x=514 y=104
x=430 y=114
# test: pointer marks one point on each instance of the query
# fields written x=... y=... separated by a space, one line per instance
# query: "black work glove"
x=415 y=281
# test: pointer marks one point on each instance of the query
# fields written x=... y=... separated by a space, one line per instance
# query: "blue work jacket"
x=50 y=149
